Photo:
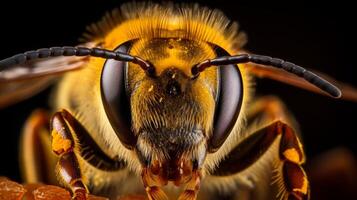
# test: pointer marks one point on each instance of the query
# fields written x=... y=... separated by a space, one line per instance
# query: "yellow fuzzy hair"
x=138 y=20
x=145 y=21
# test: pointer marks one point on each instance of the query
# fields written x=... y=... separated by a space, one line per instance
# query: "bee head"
x=173 y=113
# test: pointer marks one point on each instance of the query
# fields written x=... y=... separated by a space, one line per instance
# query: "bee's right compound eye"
x=115 y=99
x=228 y=102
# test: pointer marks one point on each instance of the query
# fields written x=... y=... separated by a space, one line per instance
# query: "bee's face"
x=171 y=112
x=171 y=115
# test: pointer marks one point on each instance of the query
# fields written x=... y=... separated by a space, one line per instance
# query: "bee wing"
x=41 y=68
x=19 y=82
x=13 y=92
x=261 y=71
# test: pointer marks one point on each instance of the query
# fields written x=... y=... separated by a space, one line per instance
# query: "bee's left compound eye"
x=115 y=99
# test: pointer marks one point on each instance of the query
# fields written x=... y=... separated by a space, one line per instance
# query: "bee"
x=159 y=101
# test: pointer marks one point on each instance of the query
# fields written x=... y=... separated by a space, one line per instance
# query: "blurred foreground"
x=10 y=190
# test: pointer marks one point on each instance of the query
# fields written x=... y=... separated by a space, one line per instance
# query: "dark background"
x=317 y=36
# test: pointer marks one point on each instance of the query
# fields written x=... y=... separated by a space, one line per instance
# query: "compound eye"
x=228 y=102
x=115 y=99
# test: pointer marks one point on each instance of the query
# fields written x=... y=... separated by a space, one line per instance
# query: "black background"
x=317 y=36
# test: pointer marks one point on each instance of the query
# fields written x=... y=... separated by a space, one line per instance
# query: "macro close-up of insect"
x=159 y=100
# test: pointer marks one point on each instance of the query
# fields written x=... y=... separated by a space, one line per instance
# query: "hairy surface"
x=177 y=26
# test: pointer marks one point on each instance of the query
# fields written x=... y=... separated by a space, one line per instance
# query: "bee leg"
x=152 y=182
x=291 y=176
x=292 y=179
x=67 y=166
x=192 y=187
x=36 y=157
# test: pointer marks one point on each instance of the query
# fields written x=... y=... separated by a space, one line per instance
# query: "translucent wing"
x=18 y=82
x=348 y=92
x=13 y=92
x=40 y=68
